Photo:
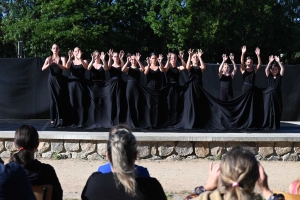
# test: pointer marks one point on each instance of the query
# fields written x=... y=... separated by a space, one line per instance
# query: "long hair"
x=26 y=139
x=122 y=151
x=238 y=174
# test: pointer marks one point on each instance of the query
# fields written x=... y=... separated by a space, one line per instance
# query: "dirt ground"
x=178 y=177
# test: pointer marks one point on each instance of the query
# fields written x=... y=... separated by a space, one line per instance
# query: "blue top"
x=14 y=183
x=139 y=170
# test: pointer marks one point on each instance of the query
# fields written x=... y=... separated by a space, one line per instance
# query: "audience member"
x=122 y=182
x=294 y=187
x=27 y=140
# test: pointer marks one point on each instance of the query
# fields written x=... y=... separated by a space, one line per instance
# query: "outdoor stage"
x=283 y=144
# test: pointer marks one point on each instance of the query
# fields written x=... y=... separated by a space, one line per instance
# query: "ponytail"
x=122 y=150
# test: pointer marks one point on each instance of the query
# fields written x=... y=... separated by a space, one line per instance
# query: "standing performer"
x=172 y=70
x=272 y=95
x=116 y=86
x=154 y=84
x=196 y=107
x=98 y=115
x=249 y=72
x=226 y=92
x=57 y=65
x=77 y=88
x=133 y=93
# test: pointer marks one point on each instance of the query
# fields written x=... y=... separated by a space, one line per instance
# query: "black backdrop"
x=24 y=89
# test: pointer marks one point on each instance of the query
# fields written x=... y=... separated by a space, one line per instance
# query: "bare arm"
x=257 y=51
x=267 y=70
x=91 y=63
x=188 y=64
x=222 y=64
x=121 y=55
x=183 y=63
x=242 y=68
x=231 y=56
x=202 y=64
x=138 y=56
x=161 y=67
x=110 y=54
x=102 y=57
x=280 y=65
x=46 y=64
x=69 y=62
x=166 y=68
x=125 y=68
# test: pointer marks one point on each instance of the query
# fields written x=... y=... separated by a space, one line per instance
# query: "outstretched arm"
x=202 y=64
x=231 y=57
x=188 y=64
x=110 y=54
x=222 y=64
x=242 y=68
x=267 y=70
x=280 y=65
x=257 y=52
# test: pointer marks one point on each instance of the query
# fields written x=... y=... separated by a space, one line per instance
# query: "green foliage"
x=217 y=27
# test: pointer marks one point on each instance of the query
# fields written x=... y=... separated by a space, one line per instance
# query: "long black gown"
x=117 y=107
x=56 y=95
x=196 y=111
x=99 y=112
x=154 y=84
x=272 y=103
x=78 y=96
x=249 y=80
x=226 y=92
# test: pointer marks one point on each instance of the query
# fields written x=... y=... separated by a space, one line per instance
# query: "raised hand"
x=277 y=59
x=224 y=56
x=137 y=56
x=160 y=57
x=70 y=54
x=191 y=52
x=200 y=53
x=78 y=55
x=102 y=56
x=231 y=56
x=169 y=56
x=148 y=61
x=93 y=57
x=181 y=54
x=110 y=53
x=271 y=58
x=257 y=51
x=244 y=49
x=121 y=54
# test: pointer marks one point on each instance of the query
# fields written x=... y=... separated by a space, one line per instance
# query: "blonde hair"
x=238 y=174
x=122 y=151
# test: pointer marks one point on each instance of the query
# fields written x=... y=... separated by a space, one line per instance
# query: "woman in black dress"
x=78 y=94
x=172 y=71
x=154 y=84
x=98 y=115
x=57 y=65
x=272 y=95
x=226 y=92
x=117 y=108
x=133 y=90
x=196 y=107
x=248 y=71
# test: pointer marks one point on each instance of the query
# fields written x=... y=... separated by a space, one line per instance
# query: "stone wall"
x=93 y=149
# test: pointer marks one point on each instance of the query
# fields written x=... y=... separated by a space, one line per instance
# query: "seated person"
x=14 y=183
x=27 y=141
x=121 y=182
x=139 y=170
x=294 y=187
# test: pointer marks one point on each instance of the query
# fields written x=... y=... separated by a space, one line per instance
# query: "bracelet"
x=199 y=190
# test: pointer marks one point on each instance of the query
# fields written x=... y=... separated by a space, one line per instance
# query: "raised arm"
x=47 y=63
x=63 y=65
x=69 y=62
x=125 y=68
x=242 y=68
x=231 y=57
x=121 y=56
x=138 y=57
x=280 y=65
x=166 y=68
x=110 y=55
x=202 y=64
x=188 y=63
x=148 y=66
x=91 y=63
x=257 y=52
x=160 y=58
x=102 y=57
x=222 y=64
x=183 y=63
x=267 y=70
x=83 y=62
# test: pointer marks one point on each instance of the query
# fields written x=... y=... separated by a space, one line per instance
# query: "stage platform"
x=289 y=132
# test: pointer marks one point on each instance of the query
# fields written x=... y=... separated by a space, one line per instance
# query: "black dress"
x=249 y=80
x=272 y=103
x=78 y=96
x=154 y=84
x=133 y=95
x=56 y=95
x=225 y=93
x=103 y=186
x=99 y=112
x=196 y=110
x=117 y=105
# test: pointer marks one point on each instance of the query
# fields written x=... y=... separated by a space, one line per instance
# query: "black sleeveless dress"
x=226 y=92
x=272 y=103
x=78 y=96
x=249 y=80
x=117 y=105
x=56 y=95
x=98 y=114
